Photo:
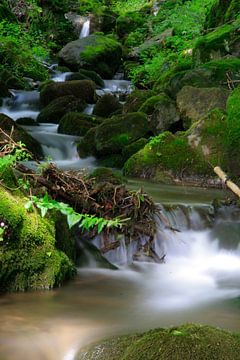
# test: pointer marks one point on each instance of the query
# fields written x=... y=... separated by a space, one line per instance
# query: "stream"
x=199 y=280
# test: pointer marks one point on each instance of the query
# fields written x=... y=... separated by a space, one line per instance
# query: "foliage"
x=125 y=6
x=87 y=222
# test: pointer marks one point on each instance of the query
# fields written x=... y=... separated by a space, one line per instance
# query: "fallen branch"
x=223 y=176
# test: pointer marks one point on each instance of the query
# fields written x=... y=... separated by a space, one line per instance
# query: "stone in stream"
x=86 y=75
x=95 y=52
x=81 y=89
x=107 y=105
x=59 y=107
x=136 y=99
x=76 y=124
x=19 y=134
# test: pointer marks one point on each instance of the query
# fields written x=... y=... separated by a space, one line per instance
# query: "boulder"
x=86 y=146
x=107 y=105
x=136 y=99
x=185 y=342
x=76 y=124
x=119 y=131
x=133 y=148
x=165 y=115
x=59 y=107
x=194 y=103
x=83 y=74
x=98 y=52
x=80 y=89
x=19 y=134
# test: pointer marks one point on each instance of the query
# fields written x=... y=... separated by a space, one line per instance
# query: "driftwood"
x=230 y=184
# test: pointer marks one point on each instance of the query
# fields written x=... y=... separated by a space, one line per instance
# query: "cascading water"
x=85 y=29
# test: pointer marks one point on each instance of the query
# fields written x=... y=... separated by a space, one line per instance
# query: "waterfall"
x=85 y=29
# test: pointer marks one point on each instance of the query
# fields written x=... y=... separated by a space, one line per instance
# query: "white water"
x=85 y=29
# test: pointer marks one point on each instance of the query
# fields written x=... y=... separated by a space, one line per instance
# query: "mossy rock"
x=129 y=22
x=222 y=11
x=222 y=41
x=211 y=74
x=28 y=257
x=186 y=342
x=76 y=124
x=86 y=75
x=107 y=105
x=136 y=99
x=19 y=135
x=131 y=149
x=81 y=89
x=119 y=131
x=194 y=103
x=165 y=116
x=103 y=174
x=59 y=107
x=86 y=146
x=98 y=52
x=168 y=154
x=233 y=131
x=148 y=106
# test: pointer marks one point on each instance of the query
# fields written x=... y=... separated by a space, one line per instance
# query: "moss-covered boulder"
x=53 y=112
x=86 y=146
x=186 y=342
x=194 y=103
x=222 y=11
x=148 y=106
x=107 y=105
x=19 y=134
x=29 y=259
x=165 y=115
x=136 y=99
x=129 y=22
x=211 y=74
x=119 y=131
x=134 y=147
x=83 y=74
x=98 y=52
x=166 y=156
x=103 y=174
x=223 y=41
x=81 y=89
x=76 y=124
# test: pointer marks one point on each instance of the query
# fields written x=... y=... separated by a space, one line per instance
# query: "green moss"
x=28 y=257
x=136 y=99
x=222 y=11
x=149 y=105
x=186 y=342
x=107 y=175
x=129 y=22
x=76 y=124
x=86 y=146
x=107 y=105
x=131 y=149
x=166 y=152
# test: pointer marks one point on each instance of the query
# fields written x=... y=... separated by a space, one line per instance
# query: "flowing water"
x=198 y=281
x=85 y=29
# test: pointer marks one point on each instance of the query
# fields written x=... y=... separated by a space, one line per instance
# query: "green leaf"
x=49 y=253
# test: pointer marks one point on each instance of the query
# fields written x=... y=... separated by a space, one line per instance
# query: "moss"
x=81 y=89
x=107 y=105
x=6 y=13
x=86 y=146
x=166 y=152
x=28 y=258
x=148 y=106
x=222 y=11
x=54 y=112
x=129 y=22
x=76 y=124
x=107 y=175
x=186 y=342
x=86 y=75
x=119 y=131
x=136 y=99
x=131 y=149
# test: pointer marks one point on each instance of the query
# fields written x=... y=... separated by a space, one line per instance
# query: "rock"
x=131 y=149
x=194 y=103
x=81 y=89
x=223 y=41
x=149 y=105
x=86 y=75
x=29 y=259
x=60 y=107
x=86 y=146
x=186 y=342
x=19 y=134
x=136 y=99
x=165 y=115
x=107 y=105
x=166 y=157
x=119 y=131
x=98 y=52
x=27 y=122
x=76 y=124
